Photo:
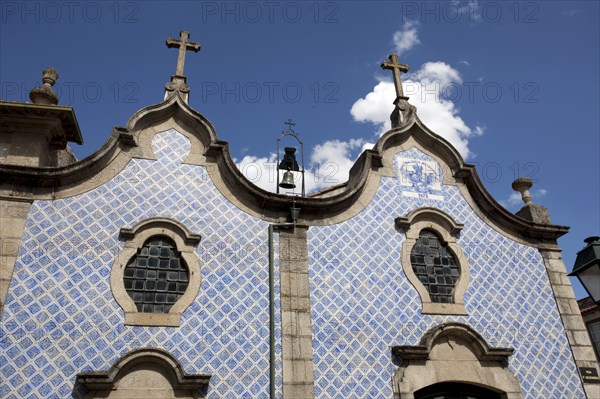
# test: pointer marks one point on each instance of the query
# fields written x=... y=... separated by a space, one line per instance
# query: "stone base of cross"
x=178 y=83
x=403 y=112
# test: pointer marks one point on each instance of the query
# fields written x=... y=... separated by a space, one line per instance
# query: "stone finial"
x=532 y=212
x=44 y=93
x=522 y=185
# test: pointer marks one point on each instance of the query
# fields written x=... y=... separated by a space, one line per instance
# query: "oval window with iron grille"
x=156 y=277
x=435 y=266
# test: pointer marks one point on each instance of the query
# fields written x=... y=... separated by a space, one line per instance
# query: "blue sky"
x=513 y=85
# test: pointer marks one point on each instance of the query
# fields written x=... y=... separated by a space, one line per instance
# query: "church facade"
x=155 y=269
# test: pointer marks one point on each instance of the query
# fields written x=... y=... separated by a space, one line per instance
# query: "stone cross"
x=183 y=44
x=290 y=123
x=397 y=68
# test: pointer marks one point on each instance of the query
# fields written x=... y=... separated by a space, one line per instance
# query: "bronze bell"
x=289 y=160
x=288 y=180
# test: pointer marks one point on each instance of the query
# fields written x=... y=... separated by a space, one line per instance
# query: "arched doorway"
x=454 y=390
x=452 y=361
x=144 y=373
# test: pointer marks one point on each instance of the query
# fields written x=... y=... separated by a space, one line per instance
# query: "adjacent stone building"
x=590 y=312
x=145 y=270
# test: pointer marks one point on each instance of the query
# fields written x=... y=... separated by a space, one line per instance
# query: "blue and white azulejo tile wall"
x=60 y=317
x=362 y=303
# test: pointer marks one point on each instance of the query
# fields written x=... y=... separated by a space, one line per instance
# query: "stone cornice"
x=496 y=212
x=427 y=213
x=42 y=183
x=349 y=200
x=157 y=223
x=463 y=172
x=483 y=351
x=174 y=107
x=104 y=380
x=22 y=113
x=274 y=207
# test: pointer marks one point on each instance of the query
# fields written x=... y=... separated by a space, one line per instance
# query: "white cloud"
x=367 y=146
x=470 y=10
x=259 y=170
x=571 y=13
x=436 y=73
x=514 y=199
x=376 y=107
x=406 y=38
x=329 y=165
x=426 y=88
x=332 y=160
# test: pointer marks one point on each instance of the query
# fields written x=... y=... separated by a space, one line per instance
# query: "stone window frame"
x=447 y=229
x=135 y=238
x=595 y=344
x=105 y=380
x=486 y=367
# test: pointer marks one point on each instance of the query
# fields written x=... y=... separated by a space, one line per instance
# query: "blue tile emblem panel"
x=419 y=176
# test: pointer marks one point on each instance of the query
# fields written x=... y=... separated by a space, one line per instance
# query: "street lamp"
x=587 y=267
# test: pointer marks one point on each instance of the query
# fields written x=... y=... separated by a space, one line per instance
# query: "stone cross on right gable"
x=397 y=68
x=403 y=111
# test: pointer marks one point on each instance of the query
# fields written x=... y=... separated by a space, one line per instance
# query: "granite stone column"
x=296 y=346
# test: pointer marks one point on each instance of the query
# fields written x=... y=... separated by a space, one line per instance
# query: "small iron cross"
x=183 y=44
x=290 y=123
x=397 y=68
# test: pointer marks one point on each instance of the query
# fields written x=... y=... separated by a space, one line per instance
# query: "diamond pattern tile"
x=61 y=318
x=362 y=303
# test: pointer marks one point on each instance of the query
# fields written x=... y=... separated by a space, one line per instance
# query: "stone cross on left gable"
x=183 y=45
x=178 y=81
